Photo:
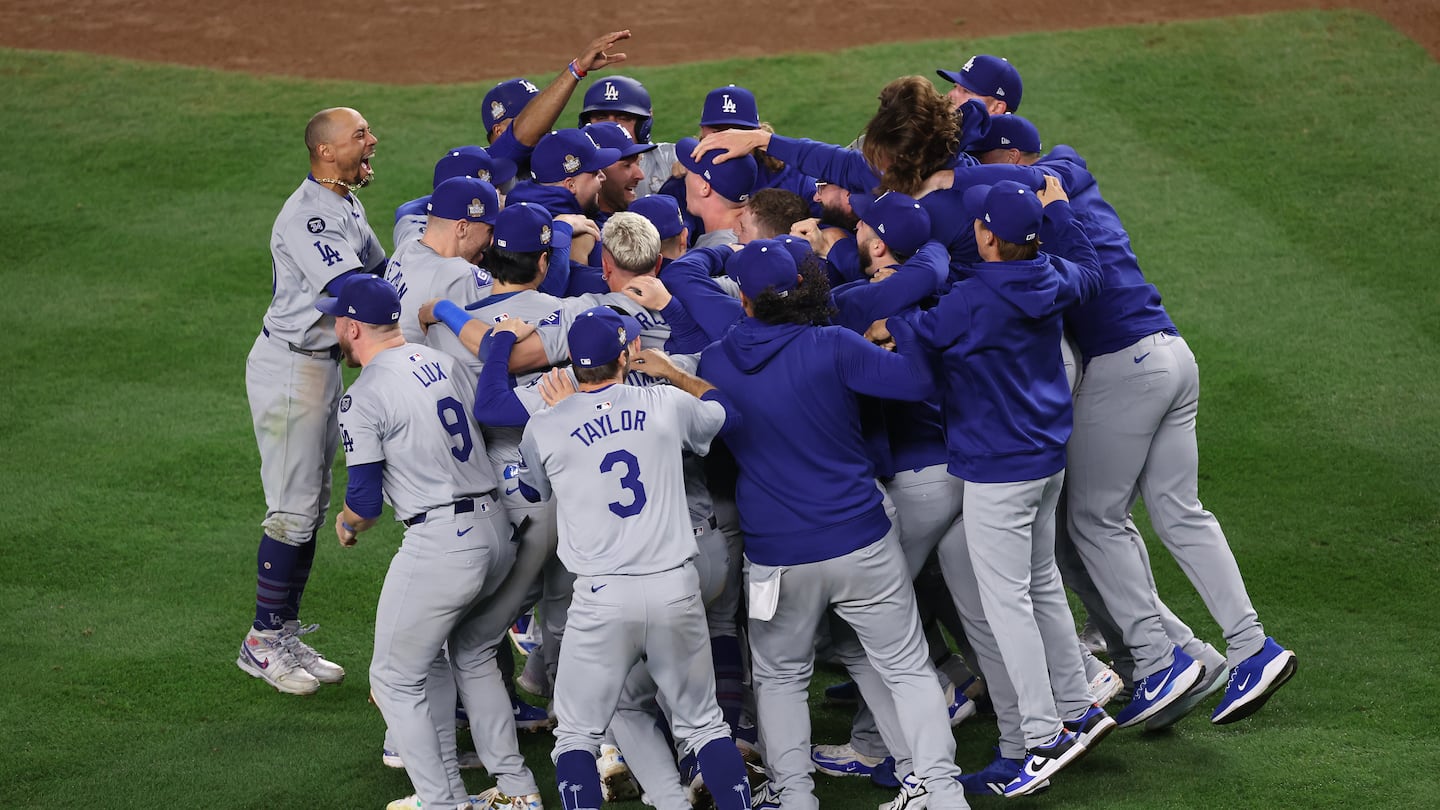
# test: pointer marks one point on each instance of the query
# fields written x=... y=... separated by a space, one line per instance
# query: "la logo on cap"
x=969 y=63
x=729 y=105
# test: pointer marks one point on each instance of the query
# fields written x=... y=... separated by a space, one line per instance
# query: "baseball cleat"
x=912 y=796
x=1044 y=761
x=1105 y=686
x=1091 y=727
x=493 y=799
x=842 y=694
x=961 y=708
x=530 y=718
x=1157 y=690
x=311 y=661
x=391 y=759
x=617 y=784
x=884 y=775
x=992 y=779
x=1211 y=682
x=264 y=655
x=766 y=798
x=411 y=802
x=1253 y=681
x=525 y=634
x=843 y=760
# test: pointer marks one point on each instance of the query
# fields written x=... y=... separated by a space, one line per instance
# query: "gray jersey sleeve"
x=532 y=466
x=700 y=419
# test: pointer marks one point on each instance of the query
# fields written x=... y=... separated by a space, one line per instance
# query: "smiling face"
x=346 y=146
x=617 y=190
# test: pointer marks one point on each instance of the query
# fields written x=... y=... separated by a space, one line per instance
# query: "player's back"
x=413 y=403
x=613 y=460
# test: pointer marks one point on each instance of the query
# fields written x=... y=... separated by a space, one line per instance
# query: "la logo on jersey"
x=729 y=105
x=611 y=94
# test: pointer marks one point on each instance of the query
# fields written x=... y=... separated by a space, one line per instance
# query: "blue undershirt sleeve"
x=364 y=494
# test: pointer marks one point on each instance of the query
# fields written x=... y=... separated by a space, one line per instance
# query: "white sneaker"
x=324 y=671
x=1105 y=686
x=530 y=802
x=391 y=759
x=264 y=655
x=412 y=802
x=912 y=796
x=617 y=784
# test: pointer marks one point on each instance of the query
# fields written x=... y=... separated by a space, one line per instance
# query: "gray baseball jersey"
x=407 y=228
x=317 y=236
x=635 y=521
x=658 y=165
x=381 y=418
x=654 y=329
x=420 y=274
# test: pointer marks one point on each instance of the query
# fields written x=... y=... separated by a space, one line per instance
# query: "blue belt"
x=460 y=507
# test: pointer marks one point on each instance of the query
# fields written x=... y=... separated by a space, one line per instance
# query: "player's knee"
x=290 y=529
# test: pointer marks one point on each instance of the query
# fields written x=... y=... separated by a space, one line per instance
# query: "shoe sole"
x=1244 y=710
x=1198 y=693
x=834 y=770
x=966 y=711
x=250 y=670
x=620 y=786
x=1180 y=686
x=534 y=726
x=1092 y=738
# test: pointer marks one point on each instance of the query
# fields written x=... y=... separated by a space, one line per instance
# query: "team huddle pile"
x=711 y=409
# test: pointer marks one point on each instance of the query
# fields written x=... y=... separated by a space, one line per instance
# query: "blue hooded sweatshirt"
x=1128 y=308
x=806 y=490
x=1007 y=403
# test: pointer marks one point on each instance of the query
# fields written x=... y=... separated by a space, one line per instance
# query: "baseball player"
x=624 y=176
x=991 y=79
x=796 y=384
x=1007 y=422
x=629 y=542
x=626 y=102
x=462 y=161
x=320 y=238
x=568 y=167
x=1141 y=439
x=715 y=193
x=410 y=440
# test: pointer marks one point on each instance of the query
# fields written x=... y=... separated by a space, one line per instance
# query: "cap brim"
x=683 y=148
x=502 y=171
x=603 y=157
x=952 y=76
x=637 y=148
x=330 y=306
x=861 y=202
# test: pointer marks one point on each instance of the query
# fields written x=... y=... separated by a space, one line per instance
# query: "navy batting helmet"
x=506 y=100
x=620 y=94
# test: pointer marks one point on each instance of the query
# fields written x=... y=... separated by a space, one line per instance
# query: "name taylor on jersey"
x=605 y=424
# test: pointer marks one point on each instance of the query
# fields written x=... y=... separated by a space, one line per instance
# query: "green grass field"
x=1275 y=173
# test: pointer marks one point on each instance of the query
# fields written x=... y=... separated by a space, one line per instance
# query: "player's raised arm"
x=540 y=114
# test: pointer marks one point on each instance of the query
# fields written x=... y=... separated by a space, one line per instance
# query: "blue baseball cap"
x=1010 y=210
x=734 y=179
x=1009 y=132
x=598 y=335
x=523 y=227
x=467 y=198
x=986 y=75
x=566 y=153
x=473 y=161
x=506 y=100
x=663 y=211
x=730 y=106
x=765 y=264
x=365 y=298
x=800 y=249
x=610 y=135
x=899 y=220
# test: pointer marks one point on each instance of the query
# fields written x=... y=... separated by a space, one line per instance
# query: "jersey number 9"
x=452 y=418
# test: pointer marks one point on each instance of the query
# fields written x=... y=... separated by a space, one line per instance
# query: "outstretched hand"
x=596 y=55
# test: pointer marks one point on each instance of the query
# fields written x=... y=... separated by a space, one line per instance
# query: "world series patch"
x=315 y=225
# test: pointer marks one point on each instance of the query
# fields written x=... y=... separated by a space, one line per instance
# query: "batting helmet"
x=506 y=100
x=620 y=94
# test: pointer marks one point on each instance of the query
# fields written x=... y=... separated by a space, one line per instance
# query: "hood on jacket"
x=752 y=344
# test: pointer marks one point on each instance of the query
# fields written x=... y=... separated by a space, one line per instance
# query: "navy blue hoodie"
x=806 y=490
x=1007 y=403
x=1128 y=308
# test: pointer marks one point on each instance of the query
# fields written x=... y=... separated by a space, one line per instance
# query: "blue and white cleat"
x=530 y=718
x=842 y=694
x=525 y=634
x=992 y=779
x=1159 y=689
x=1044 y=761
x=1091 y=727
x=884 y=775
x=961 y=708
x=913 y=795
x=1253 y=681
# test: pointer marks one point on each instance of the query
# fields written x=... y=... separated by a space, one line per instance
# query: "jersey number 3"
x=452 y=418
x=630 y=480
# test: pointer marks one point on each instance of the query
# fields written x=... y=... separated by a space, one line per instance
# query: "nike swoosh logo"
x=459 y=533
x=1142 y=357
x=262 y=664
x=594 y=588
x=511 y=490
x=1245 y=683
x=1151 y=694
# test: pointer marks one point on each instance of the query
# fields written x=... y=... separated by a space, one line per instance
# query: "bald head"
x=327 y=126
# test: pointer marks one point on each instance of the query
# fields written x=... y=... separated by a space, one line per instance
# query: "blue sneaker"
x=530 y=718
x=992 y=779
x=1211 y=682
x=961 y=708
x=884 y=775
x=765 y=798
x=1253 y=681
x=525 y=634
x=1044 y=761
x=842 y=694
x=1091 y=727
x=1160 y=689
x=843 y=760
